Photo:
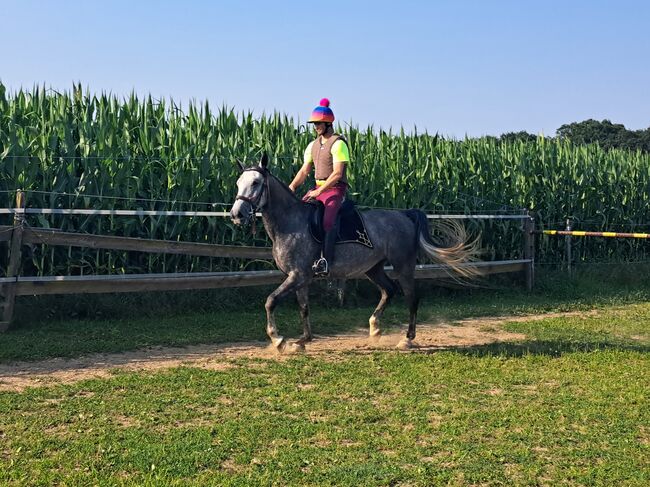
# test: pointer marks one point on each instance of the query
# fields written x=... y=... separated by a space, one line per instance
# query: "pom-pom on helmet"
x=322 y=113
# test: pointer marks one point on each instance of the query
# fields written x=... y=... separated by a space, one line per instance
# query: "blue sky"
x=452 y=67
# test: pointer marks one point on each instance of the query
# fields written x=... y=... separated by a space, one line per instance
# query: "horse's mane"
x=284 y=185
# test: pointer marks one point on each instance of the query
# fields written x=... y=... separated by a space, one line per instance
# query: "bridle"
x=254 y=201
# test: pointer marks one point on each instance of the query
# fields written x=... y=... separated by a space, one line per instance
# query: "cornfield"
x=78 y=150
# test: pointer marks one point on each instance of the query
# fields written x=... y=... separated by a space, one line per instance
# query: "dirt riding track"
x=20 y=375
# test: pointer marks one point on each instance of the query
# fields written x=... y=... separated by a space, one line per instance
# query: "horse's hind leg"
x=387 y=288
x=303 y=302
x=407 y=282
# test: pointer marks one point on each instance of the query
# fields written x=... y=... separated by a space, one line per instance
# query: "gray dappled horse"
x=397 y=235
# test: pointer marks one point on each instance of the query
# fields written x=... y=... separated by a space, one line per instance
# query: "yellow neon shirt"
x=339 y=151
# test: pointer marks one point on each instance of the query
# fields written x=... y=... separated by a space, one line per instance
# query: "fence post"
x=14 y=265
x=529 y=250
x=567 y=241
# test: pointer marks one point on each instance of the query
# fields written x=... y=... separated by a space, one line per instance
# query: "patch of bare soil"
x=20 y=375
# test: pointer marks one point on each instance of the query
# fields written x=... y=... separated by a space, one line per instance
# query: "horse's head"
x=252 y=192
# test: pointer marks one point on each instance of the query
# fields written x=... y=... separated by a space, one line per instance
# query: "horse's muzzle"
x=235 y=218
x=238 y=215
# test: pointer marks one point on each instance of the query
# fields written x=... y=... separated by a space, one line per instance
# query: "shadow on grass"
x=552 y=348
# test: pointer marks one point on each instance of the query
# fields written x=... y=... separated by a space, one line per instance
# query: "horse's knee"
x=270 y=304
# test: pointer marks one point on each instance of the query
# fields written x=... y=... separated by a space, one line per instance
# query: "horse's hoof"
x=279 y=343
x=295 y=347
x=304 y=340
x=405 y=344
x=375 y=334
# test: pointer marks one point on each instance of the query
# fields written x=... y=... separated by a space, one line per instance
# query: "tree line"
x=606 y=134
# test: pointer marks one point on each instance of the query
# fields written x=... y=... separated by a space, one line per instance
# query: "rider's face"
x=320 y=127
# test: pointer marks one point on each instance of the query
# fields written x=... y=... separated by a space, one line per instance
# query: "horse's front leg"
x=290 y=284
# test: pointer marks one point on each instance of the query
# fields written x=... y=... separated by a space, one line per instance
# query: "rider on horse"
x=329 y=154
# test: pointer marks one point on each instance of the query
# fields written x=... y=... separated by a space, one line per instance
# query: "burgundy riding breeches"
x=332 y=199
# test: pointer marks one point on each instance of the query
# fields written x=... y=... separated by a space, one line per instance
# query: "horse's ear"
x=264 y=160
x=241 y=165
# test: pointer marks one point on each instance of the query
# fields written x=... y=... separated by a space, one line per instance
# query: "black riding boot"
x=323 y=265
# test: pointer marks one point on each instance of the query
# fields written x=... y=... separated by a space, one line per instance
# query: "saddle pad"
x=351 y=229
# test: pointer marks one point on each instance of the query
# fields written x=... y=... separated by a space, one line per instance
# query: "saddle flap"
x=316 y=219
x=351 y=228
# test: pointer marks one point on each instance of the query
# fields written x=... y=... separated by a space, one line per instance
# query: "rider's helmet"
x=322 y=113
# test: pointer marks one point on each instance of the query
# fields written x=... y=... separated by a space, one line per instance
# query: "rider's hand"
x=314 y=193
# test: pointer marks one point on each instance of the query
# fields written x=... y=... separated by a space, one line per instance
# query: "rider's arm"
x=304 y=170
x=301 y=176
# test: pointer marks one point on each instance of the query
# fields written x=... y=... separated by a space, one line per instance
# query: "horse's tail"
x=454 y=252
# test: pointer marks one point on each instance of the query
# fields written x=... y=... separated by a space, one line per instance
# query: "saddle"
x=349 y=222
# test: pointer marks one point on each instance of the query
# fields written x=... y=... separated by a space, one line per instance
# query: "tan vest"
x=322 y=156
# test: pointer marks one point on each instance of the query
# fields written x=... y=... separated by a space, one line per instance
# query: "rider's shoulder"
x=340 y=138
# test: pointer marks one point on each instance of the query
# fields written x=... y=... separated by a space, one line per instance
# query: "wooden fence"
x=19 y=234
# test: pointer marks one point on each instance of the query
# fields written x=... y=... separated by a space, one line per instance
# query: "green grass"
x=164 y=320
x=572 y=411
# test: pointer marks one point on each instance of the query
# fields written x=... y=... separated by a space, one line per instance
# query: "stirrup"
x=320 y=267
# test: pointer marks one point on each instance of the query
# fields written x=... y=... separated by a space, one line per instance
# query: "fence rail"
x=58 y=237
x=29 y=286
x=219 y=214
x=579 y=233
x=19 y=234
